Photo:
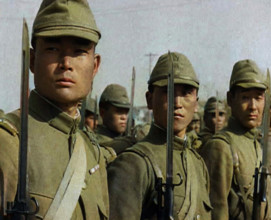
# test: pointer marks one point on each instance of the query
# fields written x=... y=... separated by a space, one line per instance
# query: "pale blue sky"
x=213 y=34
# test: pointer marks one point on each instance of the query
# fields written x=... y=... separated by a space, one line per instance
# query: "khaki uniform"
x=51 y=140
x=203 y=137
x=231 y=157
x=193 y=139
x=103 y=134
x=119 y=144
x=108 y=152
x=132 y=180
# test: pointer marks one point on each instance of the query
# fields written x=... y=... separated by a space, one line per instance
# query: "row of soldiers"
x=71 y=176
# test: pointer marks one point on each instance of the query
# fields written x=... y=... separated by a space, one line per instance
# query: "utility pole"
x=151 y=56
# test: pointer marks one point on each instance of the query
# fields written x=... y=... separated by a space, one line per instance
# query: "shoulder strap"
x=147 y=154
x=236 y=171
x=71 y=185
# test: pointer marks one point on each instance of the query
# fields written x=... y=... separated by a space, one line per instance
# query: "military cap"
x=57 y=18
x=90 y=106
x=115 y=95
x=182 y=70
x=212 y=104
x=247 y=74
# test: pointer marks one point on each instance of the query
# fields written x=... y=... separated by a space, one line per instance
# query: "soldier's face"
x=247 y=106
x=64 y=69
x=215 y=123
x=115 y=118
x=185 y=104
x=90 y=121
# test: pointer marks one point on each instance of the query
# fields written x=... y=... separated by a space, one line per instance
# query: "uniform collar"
x=238 y=128
x=103 y=130
x=158 y=136
x=44 y=110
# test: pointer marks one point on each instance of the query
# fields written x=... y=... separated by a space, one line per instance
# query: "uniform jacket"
x=235 y=149
x=103 y=134
x=51 y=140
x=132 y=180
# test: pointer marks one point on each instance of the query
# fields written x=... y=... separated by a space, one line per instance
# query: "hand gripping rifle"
x=20 y=208
x=260 y=181
x=131 y=112
x=165 y=199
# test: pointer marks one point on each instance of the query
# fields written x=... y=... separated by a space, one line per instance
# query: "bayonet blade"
x=22 y=180
x=170 y=133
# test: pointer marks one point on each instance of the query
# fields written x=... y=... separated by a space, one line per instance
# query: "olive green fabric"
x=103 y=134
x=213 y=104
x=51 y=139
x=108 y=152
x=204 y=135
x=183 y=71
x=57 y=18
x=115 y=95
x=132 y=180
x=247 y=74
x=193 y=139
x=235 y=147
x=119 y=144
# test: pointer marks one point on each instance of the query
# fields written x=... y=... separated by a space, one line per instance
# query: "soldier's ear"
x=97 y=62
x=148 y=96
x=32 y=60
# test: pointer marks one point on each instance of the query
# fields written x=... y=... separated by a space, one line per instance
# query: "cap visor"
x=119 y=105
x=251 y=85
x=164 y=82
x=73 y=32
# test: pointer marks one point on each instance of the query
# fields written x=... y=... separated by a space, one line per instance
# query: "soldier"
x=233 y=154
x=133 y=175
x=195 y=124
x=91 y=115
x=212 y=122
x=114 y=107
x=64 y=63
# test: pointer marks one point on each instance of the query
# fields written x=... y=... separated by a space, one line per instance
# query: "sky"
x=213 y=34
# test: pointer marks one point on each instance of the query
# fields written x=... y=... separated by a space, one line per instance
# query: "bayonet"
x=260 y=183
x=95 y=112
x=20 y=208
x=170 y=133
x=131 y=112
x=165 y=197
x=216 y=112
x=83 y=113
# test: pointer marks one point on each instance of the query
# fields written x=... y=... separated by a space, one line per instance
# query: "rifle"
x=83 y=113
x=216 y=112
x=20 y=208
x=131 y=112
x=95 y=112
x=165 y=211
x=260 y=181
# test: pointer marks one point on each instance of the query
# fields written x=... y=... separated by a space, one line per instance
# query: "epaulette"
x=9 y=127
